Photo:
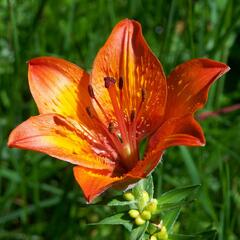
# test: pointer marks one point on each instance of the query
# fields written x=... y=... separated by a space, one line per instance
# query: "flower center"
x=122 y=133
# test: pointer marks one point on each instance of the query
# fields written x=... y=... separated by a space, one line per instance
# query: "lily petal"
x=177 y=131
x=57 y=137
x=127 y=58
x=93 y=183
x=144 y=167
x=188 y=85
x=59 y=86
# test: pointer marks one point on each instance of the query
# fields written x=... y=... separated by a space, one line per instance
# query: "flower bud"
x=154 y=200
x=153 y=237
x=139 y=221
x=162 y=235
x=163 y=229
x=146 y=215
x=133 y=213
x=152 y=206
x=145 y=196
x=143 y=199
x=128 y=196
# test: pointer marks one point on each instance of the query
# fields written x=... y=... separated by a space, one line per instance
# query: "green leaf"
x=171 y=206
x=117 y=219
x=172 y=201
x=177 y=195
x=207 y=235
x=182 y=237
x=138 y=233
x=170 y=218
x=190 y=164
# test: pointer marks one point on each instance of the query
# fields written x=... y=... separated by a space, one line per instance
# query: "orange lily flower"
x=97 y=121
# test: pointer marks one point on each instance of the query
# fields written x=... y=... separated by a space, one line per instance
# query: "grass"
x=39 y=198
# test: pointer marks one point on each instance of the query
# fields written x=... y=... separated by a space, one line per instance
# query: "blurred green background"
x=39 y=198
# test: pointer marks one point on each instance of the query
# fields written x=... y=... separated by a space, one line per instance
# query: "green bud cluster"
x=152 y=206
x=161 y=235
x=146 y=215
x=139 y=221
x=134 y=213
x=143 y=198
x=145 y=207
x=153 y=237
x=128 y=196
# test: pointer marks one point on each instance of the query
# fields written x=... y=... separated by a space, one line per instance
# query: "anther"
x=111 y=127
x=120 y=83
x=109 y=81
x=133 y=115
x=89 y=112
x=90 y=91
x=143 y=94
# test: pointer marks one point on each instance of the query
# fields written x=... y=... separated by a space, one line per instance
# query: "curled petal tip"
x=224 y=67
x=40 y=60
x=45 y=60
x=129 y=23
x=126 y=21
x=227 y=69
x=32 y=61
x=12 y=140
x=201 y=140
x=202 y=143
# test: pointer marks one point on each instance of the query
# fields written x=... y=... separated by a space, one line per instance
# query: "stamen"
x=111 y=127
x=99 y=145
x=143 y=94
x=120 y=83
x=133 y=115
x=92 y=95
x=119 y=137
x=114 y=140
x=90 y=91
x=109 y=81
x=110 y=85
x=132 y=133
x=89 y=112
x=120 y=86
